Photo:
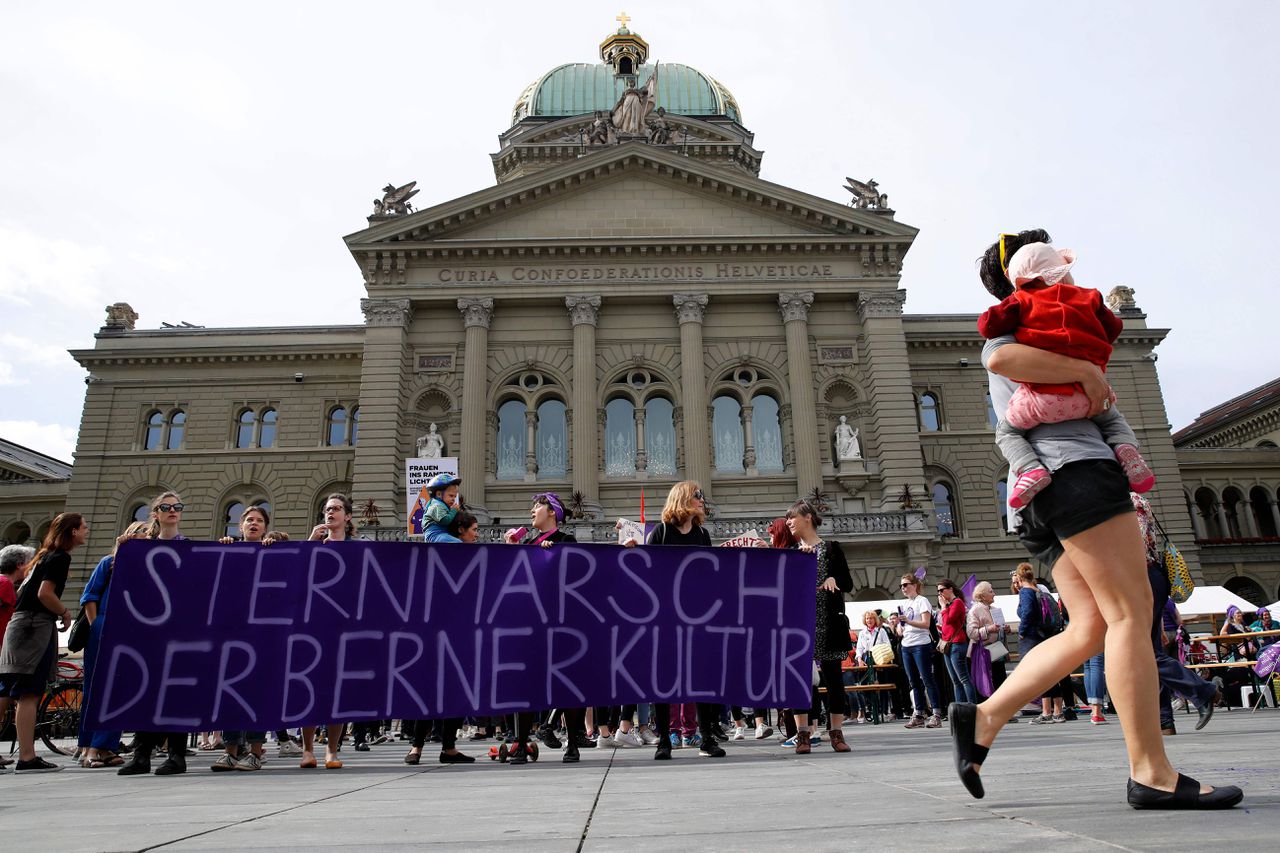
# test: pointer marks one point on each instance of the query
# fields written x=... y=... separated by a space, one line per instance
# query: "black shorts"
x=1082 y=495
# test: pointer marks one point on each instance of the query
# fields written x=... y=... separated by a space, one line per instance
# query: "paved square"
x=1048 y=788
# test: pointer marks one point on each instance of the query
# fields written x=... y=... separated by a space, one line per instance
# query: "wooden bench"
x=874 y=687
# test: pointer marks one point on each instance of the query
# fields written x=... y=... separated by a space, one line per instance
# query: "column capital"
x=794 y=305
x=476 y=312
x=882 y=304
x=690 y=307
x=387 y=312
x=583 y=309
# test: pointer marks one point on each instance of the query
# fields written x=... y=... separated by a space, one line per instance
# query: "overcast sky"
x=203 y=162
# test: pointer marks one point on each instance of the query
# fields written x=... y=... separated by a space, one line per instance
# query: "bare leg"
x=333 y=738
x=308 y=745
x=1102 y=577
x=24 y=720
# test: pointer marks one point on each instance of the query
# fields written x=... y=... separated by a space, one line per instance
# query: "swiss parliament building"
x=629 y=304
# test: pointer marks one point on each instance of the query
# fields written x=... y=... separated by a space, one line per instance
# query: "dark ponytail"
x=990 y=268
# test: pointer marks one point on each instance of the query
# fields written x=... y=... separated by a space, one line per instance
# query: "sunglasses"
x=905 y=585
x=697 y=496
x=171 y=507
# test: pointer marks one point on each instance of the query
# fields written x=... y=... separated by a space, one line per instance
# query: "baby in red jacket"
x=1048 y=311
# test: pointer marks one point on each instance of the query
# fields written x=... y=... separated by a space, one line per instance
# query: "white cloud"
x=53 y=440
x=36 y=270
x=7 y=377
x=33 y=351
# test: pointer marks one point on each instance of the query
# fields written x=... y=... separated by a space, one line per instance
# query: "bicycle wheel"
x=58 y=720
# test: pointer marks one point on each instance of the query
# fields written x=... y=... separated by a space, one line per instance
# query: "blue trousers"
x=89 y=738
x=1174 y=677
x=917 y=663
x=1095 y=679
x=957 y=660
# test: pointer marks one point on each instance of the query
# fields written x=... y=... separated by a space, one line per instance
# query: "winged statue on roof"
x=395 y=200
x=865 y=195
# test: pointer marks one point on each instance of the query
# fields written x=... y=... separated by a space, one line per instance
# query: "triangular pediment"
x=631 y=191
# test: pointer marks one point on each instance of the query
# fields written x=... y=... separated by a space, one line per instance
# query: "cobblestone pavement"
x=1048 y=788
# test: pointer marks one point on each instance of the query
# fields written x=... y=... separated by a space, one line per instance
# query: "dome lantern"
x=624 y=50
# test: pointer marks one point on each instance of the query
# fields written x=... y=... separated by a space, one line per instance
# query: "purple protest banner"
x=201 y=636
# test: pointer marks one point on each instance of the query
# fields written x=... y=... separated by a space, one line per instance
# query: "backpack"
x=1050 y=614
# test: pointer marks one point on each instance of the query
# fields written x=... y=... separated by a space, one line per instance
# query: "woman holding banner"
x=338 y=525
x=29 y=654
x=166 y=518
x=545 y=517
x=100 y=747
x=682 y=518
x=831 y=644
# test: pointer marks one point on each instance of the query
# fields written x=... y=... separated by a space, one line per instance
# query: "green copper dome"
x=582 y=88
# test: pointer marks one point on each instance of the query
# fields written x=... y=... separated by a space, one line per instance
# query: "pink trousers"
x=1029 y=408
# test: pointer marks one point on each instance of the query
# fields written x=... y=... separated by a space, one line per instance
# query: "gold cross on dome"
x=622 y=19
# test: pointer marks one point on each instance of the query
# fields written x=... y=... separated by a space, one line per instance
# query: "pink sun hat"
x=1040 y=260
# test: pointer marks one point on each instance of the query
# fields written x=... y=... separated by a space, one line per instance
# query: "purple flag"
x=1267 y=660
x=202 y=636
x=966 y=591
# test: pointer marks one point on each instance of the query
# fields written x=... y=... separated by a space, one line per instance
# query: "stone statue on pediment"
x=660 y=128
x=598 y=132
x=633 y=108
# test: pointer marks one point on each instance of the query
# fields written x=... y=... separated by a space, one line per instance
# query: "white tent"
x=1212 y=599
x=1274 y=609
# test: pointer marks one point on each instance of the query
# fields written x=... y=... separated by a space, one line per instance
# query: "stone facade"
x=603 y=320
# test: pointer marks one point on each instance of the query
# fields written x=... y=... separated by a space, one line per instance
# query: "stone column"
x=583 y=313
x=642 y=458
x=1197 y=522
x=531 y=445
x=794 y=307
x=748 y=441
x=893 y=405
x=1223 y=524
x=690 y=308
x=1248 y=524
x=476 y=315
x=379 y=465
x=1275 y=512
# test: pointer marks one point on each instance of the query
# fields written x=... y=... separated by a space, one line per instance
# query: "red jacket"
x=951 y=621
x=1062 y=318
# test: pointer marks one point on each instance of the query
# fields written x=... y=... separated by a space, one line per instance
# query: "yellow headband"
x=1004 y=261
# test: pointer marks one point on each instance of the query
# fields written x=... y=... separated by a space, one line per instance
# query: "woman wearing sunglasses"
x=166 y=518
x=914 y=619
x=682 y=518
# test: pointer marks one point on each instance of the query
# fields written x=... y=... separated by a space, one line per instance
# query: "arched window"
x=1231 y=499
x=930 y=410
x=355 y=425
x=553 y=440
x=267 y=433
x=1002 y=504
x=1206 y=504
x=1267 y=444
x=992 y=419
x=336 y=427
x=246 y=422
x=944 y=509
x=766 y=433
x=1264 y=521
x=726 y=426
x=17 y=533
x=619 y=438
x=231 y=518
x=1248 y=589
x=511 y=440
x=141 y=512
x=660 y=436
x=154 y=438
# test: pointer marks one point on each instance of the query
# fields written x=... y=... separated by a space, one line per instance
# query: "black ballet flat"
x=964 y=720
x=456 y=758
x=1185 y=795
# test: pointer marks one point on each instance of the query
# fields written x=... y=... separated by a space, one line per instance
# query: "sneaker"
x=693 y=740
x=627 y=740
x=1043 y=720
x=248 y=761
x=916 y=722
x=935 y=722
x=548 y=737
x=1027 y=485
x=789 y=743
x=676 y=743
x=648 y=737
x=1135 y=468
x=36 y=765
x=606 y=743
x=362 y=746
x=1097 y=719
x=710 y=749
x=289 y=749
x=763 y=732
x=225 y=762
x=1059 y=718
x=815 y=737
x=739 y=732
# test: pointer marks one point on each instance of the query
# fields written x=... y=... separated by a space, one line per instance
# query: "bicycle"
x=58 y=714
